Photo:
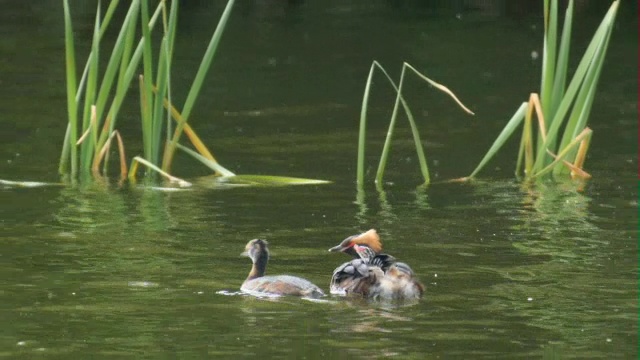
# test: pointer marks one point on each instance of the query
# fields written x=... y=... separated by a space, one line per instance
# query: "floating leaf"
x=26 y=184
x=255 y=180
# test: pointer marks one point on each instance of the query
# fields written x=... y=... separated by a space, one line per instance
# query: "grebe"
x=357 y=245
x=256 y=283
x=372 y=274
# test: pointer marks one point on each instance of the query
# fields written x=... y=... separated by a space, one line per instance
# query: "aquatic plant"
x=562 y=111
x=392 y=123
x=94 y=104
x=98 y=116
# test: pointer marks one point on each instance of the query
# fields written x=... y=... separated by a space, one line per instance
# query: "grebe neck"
x=259 y=266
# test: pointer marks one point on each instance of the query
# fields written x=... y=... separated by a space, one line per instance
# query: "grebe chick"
x=257 y=283
x=355 y=277
x=398 y=283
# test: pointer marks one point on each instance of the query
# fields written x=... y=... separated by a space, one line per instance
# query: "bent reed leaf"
x=172 y=179
x=217 y=168
x=412 y=123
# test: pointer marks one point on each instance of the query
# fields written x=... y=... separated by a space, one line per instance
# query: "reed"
x=94 y=103
x=95 y=91
x=562 y=111
x=422 y=161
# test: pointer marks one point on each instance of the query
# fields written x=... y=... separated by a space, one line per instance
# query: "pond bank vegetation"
x=560 y=146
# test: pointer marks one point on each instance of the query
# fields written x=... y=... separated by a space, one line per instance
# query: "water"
x=512 y=271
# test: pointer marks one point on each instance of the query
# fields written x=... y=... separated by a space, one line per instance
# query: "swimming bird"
x=259 y=284
x=372 y=274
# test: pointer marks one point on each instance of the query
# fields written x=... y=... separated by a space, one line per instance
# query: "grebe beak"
x=244 y=253
x=337 y=248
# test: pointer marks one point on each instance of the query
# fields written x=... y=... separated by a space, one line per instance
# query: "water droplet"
x=534 y=55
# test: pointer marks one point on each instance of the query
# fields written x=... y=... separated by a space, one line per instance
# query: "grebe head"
x=400 y=269
x=256 y=249
x=369 y=238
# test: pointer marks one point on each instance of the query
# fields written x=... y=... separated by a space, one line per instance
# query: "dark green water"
x=512 y=271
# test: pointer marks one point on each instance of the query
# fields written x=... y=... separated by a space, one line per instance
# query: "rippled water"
x=512 y=270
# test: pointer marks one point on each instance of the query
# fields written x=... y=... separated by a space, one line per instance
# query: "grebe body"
x=259 y=284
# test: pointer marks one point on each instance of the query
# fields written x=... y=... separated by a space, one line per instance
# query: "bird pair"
x=369 y=274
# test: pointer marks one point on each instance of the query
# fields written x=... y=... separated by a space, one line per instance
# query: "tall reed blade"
x=205 y=64
x=146 y=95
x=121 y=45
x=584 y=100
x=115 y=71
x=162 y=82
x=90 y=95
x=560 y=76
x=172 y=27
x=573 y=88
x=549 y=52
x=548 y=59
x=103 y=28
x=69 y=152
x=363 y=127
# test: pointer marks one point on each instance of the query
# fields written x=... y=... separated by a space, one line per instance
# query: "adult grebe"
x=372 y=274
x=257 y=284
x=367 y=240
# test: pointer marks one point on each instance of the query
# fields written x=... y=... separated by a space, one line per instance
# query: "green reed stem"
x=72 y=105
x=362 y=132
x=585 y=66
x=194 y=91
x=90 y=95
x=582 y=106
x=146 y=95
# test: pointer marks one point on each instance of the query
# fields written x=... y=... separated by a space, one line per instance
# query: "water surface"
x=512 y=270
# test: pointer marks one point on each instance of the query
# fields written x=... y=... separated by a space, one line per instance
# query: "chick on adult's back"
x=372 y=274
x=259 y=284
